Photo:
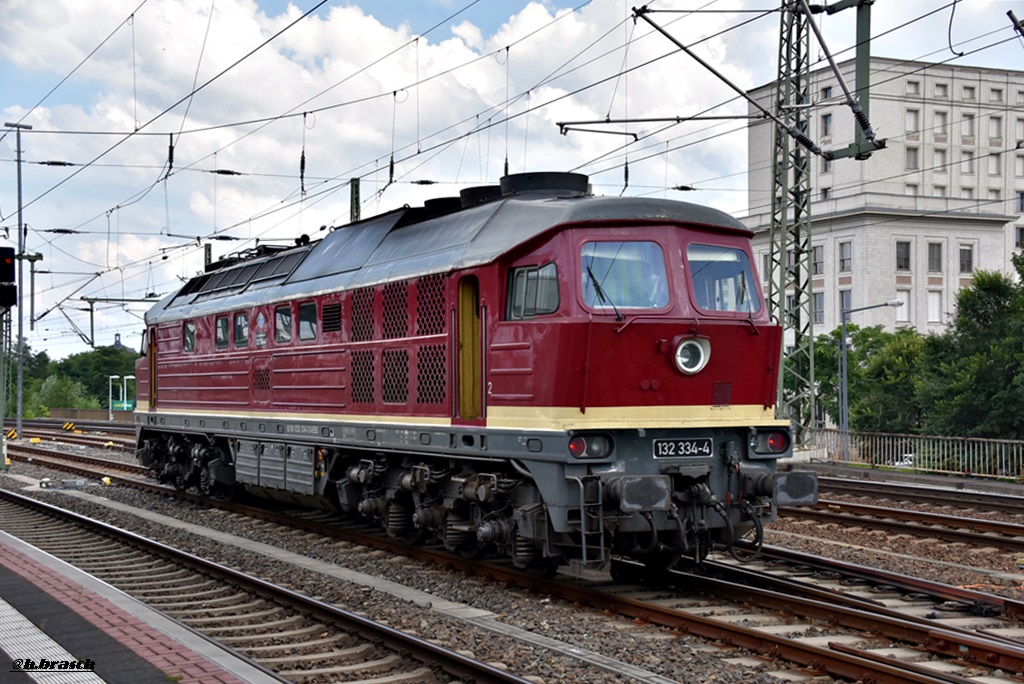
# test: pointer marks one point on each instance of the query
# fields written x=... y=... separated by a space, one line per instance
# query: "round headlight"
x=692 y=355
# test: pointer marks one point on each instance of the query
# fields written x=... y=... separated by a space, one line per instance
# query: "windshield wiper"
x=601 y=294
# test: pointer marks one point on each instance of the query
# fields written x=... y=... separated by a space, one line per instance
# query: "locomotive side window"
x=307 y=321
x=532 y=291
x=241 y=330
x=222 y=332
x=721 y=279
x=623 y=275
x=189 y=336
x=283 y=324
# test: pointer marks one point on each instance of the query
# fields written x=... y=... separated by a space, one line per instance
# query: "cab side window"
x=532 y=291
x=241 y=330
x=307 y=321
x=222 y=332
x=283 y=324
x=189 y=336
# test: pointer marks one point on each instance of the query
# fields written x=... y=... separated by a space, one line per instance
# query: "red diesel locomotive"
x=528 y=369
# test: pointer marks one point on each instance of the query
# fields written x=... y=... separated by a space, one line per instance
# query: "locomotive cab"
x=653 y=341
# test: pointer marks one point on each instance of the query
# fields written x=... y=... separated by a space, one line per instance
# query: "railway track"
x=813 y=626
x=952 y=528
x=958 y=497
x=298 y=638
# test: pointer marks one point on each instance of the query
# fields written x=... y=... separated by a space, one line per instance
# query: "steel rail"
x=454 y=664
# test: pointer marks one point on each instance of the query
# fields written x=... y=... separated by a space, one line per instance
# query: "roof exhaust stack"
x=549 y=182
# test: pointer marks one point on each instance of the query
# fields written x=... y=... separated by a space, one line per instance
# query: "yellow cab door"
x=470 y=399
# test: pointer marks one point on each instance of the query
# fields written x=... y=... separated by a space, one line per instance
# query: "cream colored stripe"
x=544 y=417
x=632 y=417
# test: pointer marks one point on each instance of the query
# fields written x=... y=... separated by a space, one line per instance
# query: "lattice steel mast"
x=789 y=291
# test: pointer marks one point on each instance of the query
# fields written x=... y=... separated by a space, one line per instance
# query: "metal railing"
x=999 y=458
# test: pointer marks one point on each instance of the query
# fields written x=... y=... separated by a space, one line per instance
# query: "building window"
x=995 y=164
x=912 y=121
x=826 y=92
x=995 y=129
x=818 y=260
x=826 y=125
x=966 y=162
x=902 y=256
x=845 y=300
x=242 y=330
x=791 y=310
x=940 y=120
x=939 y=160
x=967 y=126
x=934 y=306
x=939 y=191
x=1020 y=237
x=819 y=307
x=913 y=87
x=994 y=194
x=941 y=90
x=826 y=193
x=1018 y=166
x=826 y=165
x=911 y=156
x=966 y=259
x=1020 y=129
x=935 y=257
x=910 y=189
x=995 y=95
x=1020 y=201
x=903 y=312
x=845 y=256
x=766 y=266
x=967 y=193
x=969 y=93
x=221 y=333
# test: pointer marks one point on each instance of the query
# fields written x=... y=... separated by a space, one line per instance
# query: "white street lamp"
x=844 y=400
x=110 y=395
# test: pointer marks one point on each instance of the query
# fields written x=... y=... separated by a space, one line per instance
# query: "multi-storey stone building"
x=917 y=219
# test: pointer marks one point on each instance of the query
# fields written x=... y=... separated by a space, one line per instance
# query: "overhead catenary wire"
x=526 y=113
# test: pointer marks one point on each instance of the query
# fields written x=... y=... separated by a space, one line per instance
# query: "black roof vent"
x=554 y=182
x=481 y=193
x=442 y=205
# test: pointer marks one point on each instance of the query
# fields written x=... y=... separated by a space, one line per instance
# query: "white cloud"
x=354 y=69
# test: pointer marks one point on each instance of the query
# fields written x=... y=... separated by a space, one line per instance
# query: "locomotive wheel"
x=622 y=570
x=659 y=563
x=472 y=550
x=543 y=567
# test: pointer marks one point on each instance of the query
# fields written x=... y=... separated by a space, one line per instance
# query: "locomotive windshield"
x=624 y=275
x=722 y=279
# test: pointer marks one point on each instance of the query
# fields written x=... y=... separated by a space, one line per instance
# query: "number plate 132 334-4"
x=693 y=446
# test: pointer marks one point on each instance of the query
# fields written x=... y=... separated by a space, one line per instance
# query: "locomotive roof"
x=400 y=244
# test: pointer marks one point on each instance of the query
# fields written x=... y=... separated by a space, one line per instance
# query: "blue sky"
x=352 y=89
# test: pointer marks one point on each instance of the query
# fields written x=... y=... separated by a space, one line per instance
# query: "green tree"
x=973 y=376
x=93 y=370
x=862 y=345
x=61 y=391
x=888 y=401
